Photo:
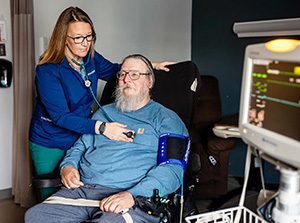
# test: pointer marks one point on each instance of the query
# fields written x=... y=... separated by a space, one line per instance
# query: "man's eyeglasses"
x=80 y=39
x=133 y=74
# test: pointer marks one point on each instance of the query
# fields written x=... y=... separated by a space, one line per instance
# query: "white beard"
x=129 y=104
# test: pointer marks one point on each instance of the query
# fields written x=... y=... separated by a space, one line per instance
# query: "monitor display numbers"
x=275 y=96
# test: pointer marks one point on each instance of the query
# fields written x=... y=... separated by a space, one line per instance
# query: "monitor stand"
x=287 y=207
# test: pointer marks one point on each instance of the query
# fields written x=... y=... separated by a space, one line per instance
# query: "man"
x=116 y=172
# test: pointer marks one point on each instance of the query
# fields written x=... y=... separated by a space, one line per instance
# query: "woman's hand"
x=162 y=65
x=115 y=131
x=70 y=177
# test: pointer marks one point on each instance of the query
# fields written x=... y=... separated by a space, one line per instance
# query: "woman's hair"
x=55 y=52
x=148 y=64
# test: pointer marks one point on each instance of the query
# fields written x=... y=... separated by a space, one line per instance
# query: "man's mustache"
x=127 y=86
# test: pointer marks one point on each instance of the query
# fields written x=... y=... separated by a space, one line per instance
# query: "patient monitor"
x=270 y=116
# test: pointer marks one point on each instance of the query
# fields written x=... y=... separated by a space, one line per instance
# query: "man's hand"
x=70 y=177
x=117 y=202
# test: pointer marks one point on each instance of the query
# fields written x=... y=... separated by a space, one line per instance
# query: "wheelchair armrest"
x=227 y=127
x=46 y=180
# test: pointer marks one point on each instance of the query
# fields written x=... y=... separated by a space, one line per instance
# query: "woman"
x=66 y=82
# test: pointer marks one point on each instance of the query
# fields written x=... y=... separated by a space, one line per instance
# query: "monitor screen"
x=270 y=103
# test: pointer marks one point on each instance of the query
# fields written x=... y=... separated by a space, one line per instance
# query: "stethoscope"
x=88 y=83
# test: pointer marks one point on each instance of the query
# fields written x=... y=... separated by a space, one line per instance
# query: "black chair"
x=211 y=181
x=213 y=151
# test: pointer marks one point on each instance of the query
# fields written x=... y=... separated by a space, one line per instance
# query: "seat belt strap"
x=127 y=218
x=83 y=202
x=70 y=201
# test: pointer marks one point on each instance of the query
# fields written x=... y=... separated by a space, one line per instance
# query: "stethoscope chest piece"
x=87 y=83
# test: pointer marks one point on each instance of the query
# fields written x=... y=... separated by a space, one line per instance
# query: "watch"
x=102 y=128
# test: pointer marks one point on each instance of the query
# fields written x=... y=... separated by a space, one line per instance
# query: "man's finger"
x=76 y=182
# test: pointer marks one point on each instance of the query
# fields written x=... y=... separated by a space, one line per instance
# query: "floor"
x=10 y=212
x=231 y=199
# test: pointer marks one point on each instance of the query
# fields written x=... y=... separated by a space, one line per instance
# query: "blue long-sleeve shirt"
x=129 y=166
x=63 y=104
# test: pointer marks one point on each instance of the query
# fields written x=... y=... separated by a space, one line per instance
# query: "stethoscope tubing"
x=88 y=84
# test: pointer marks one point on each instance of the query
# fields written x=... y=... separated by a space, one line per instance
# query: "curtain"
x=23 y=85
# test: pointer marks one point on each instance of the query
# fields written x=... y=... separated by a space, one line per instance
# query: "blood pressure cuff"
x=174 y=148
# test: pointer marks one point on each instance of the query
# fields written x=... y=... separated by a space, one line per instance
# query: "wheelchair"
x=178 y=91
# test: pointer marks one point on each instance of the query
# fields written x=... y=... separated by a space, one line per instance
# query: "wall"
x=6 y=108
x=218 y=51
x=161 y=30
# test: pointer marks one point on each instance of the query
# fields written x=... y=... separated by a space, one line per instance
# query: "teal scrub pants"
x=45 y=161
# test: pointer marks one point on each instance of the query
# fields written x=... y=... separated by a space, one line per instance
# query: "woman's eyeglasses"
x=133 y=74
x=80 y=39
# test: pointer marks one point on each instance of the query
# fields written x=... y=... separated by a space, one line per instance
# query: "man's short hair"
x=147 y=63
